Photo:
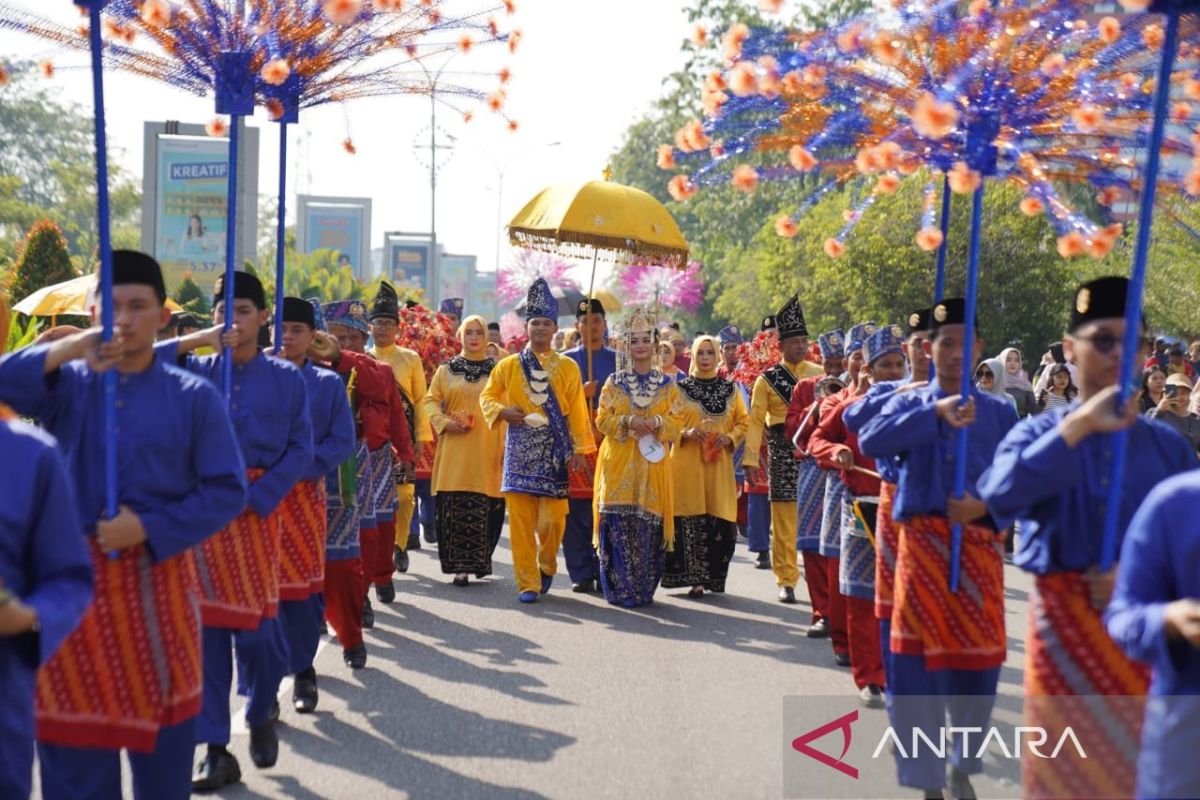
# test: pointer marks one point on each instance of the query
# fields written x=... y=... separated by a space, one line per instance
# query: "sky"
x=583 y=72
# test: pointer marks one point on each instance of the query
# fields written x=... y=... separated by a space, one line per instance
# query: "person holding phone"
x=1173 y=409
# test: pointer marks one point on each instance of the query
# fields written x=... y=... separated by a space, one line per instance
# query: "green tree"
x=43 y=260
x=191 y=297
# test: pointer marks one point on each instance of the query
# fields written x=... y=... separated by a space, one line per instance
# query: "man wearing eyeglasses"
x=1051 y=474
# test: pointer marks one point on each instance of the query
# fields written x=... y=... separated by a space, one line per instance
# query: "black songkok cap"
x=1103 y=298
x=790 y=319
x=951 y=311
x=245 y=287
x=581 y=310
x=130 y=266
x=493 y=326
x=386 y=303
x=768 y=323
x=297 y=310
x=918 y=321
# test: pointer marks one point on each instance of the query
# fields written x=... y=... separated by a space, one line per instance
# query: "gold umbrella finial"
x=608 y=172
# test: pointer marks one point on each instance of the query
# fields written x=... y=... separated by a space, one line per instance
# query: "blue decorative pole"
x=235 y=97
x=981 y=156
x=1172 y=9
x=106 y=277
x=289 y=97
x=939 y=285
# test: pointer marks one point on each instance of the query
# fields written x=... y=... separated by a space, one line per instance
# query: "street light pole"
x=433 y=79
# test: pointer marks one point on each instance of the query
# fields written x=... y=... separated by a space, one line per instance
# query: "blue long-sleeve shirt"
x=604 y=364
x=908 y=428
x=1160 y=563
x=44 y=561
x=866 y=409
x=332 y=421
x=1059 y=493
x=269 y=409
x=178 y=465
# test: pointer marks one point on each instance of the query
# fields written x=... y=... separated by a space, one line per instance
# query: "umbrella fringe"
x=610 y=248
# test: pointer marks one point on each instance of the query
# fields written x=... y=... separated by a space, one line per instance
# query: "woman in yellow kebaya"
x=712 y=417
x=466 y=469
x=633 y=507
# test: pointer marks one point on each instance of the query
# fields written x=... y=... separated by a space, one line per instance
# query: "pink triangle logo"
x=801 y=743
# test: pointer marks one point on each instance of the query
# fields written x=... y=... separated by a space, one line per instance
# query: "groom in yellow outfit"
x=539 y=393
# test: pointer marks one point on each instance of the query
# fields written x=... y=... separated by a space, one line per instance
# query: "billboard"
x=407 y=263
x=186 y=184
x=454 y=276
x=336 y=223
x=482 y=298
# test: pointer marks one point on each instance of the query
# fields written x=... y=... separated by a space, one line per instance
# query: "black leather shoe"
x=368 y=617
x=960 y=785
x=218 y=769
x=385 y=592
x=787 y=595
x=818 y=630
x=583 y=586
x=273 y=715
x=264 y=745
x=399 y=559
x=414 y=542
x=841 y=659
x=355 y=657
x=764 y=561
x=430 y=533
x=304 y=691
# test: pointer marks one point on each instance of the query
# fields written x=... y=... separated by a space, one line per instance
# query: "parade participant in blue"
x=768 y=411
x=181 y=479
x=45 y=578
x=757 y=493
x=944 y=643
x=539 y=393
x=453 y=308
x=583 y=567
x=730 y=337
x=887 y=530
x=810 y=478
x=1154 y=617
x=239 y=567
x=832 y=502
x=1050 y=474
x=333 y=444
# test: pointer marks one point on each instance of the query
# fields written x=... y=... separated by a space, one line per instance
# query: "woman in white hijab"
x=1016 y=382
x=989 y=377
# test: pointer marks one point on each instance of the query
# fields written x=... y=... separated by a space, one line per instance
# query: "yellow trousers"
x=406 y=504
x=783 y=544
x=535 y=530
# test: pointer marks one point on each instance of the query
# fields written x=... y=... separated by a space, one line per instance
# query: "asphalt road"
x=469 y=694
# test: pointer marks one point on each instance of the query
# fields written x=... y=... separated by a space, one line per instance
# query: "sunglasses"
x=985 y=373
x=1106 y=341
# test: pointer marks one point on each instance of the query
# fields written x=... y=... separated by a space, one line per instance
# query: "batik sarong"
x=383 y=485
x=239 y=569
x=961 y=630
x=579 y=484
x=856 y=570
x=704 y=546
x=469 y=525
x=782 y=466
x=1076 y=676
x=631 y=555
x=133 y=664
x=887 y=536
x=810 y=502
x=347 y=495
x=831 y=514
x=302 y=541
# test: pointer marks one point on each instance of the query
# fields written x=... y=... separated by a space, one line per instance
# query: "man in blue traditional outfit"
x=180 y=480
x=45 y=578
x=1154 y=617
x=333 y=444
x=539 y=393
x=583 y=566
x=452 y=307
x=239 y=567
x=945 y=644
x=1051 y=474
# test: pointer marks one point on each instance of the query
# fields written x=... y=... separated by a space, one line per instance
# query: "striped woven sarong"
x=951 y=630
x=302 y=541
x=579 y=484
x=239 y=569
x=1075 y=675
x=831 y=515
x=133 y=664
x=383 y=484
x=342 y=527
x=887 y=535
x=810 y=497
x=856 y=569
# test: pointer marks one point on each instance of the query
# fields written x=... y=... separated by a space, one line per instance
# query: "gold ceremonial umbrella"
x=622 y=224
x=68 y=297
